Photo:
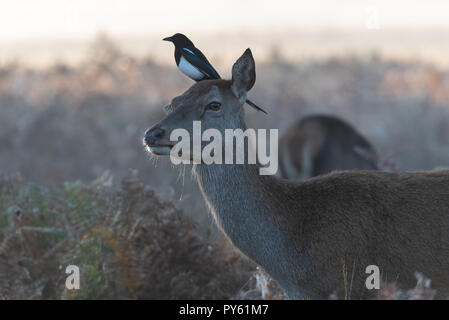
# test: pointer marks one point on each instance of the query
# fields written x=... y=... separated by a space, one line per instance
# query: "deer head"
x=217 y=104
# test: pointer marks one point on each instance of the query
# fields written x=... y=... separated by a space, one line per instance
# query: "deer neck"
x=244 y=205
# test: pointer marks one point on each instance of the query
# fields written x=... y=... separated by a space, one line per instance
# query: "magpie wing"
x=197 y=58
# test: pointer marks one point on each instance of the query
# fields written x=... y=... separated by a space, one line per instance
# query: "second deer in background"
x=319 y=144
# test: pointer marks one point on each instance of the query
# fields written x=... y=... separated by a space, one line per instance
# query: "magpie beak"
x=168 y=39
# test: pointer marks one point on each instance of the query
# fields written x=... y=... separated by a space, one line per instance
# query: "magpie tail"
x=255 y=106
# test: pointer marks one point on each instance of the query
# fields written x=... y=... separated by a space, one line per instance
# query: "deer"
x=318 y=236
x=319 y=144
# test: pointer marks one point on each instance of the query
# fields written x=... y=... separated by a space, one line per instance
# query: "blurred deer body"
x=320 y=144
x=315 y=237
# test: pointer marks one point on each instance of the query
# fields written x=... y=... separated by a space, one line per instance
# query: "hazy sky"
x=22 y=19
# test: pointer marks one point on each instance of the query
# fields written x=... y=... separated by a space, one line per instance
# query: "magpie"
x=192 y=62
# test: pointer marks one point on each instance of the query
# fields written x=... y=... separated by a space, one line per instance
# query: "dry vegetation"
x=73 y=123
x=128 y=244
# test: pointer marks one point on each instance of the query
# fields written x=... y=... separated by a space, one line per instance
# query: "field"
x=77 y=186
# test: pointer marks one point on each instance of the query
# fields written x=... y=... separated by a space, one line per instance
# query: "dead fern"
x=127 y=242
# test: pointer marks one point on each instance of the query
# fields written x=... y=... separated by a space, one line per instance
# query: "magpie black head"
x=180 y=40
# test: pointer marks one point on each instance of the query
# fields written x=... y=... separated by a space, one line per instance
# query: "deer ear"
x=243 y=74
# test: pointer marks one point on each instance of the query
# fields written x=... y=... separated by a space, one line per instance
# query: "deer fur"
x=315 y=237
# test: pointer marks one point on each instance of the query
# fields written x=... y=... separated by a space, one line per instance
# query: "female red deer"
x=320 y=144
x=315 y=236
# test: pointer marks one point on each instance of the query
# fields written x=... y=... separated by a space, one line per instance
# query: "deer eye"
x=214 y=106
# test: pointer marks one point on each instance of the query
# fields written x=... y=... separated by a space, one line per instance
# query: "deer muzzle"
x=156 y=141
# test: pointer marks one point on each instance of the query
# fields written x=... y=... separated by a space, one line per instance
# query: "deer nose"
x=151 y=135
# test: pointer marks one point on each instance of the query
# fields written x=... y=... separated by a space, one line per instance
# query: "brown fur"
x=349 y=220
x=317 y=236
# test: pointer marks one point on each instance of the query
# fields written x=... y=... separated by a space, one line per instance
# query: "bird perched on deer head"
x=192 y=62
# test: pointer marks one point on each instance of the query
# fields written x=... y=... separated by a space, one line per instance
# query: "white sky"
x=24 y=19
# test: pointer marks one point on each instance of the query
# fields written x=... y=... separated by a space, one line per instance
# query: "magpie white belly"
x=189 y=70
